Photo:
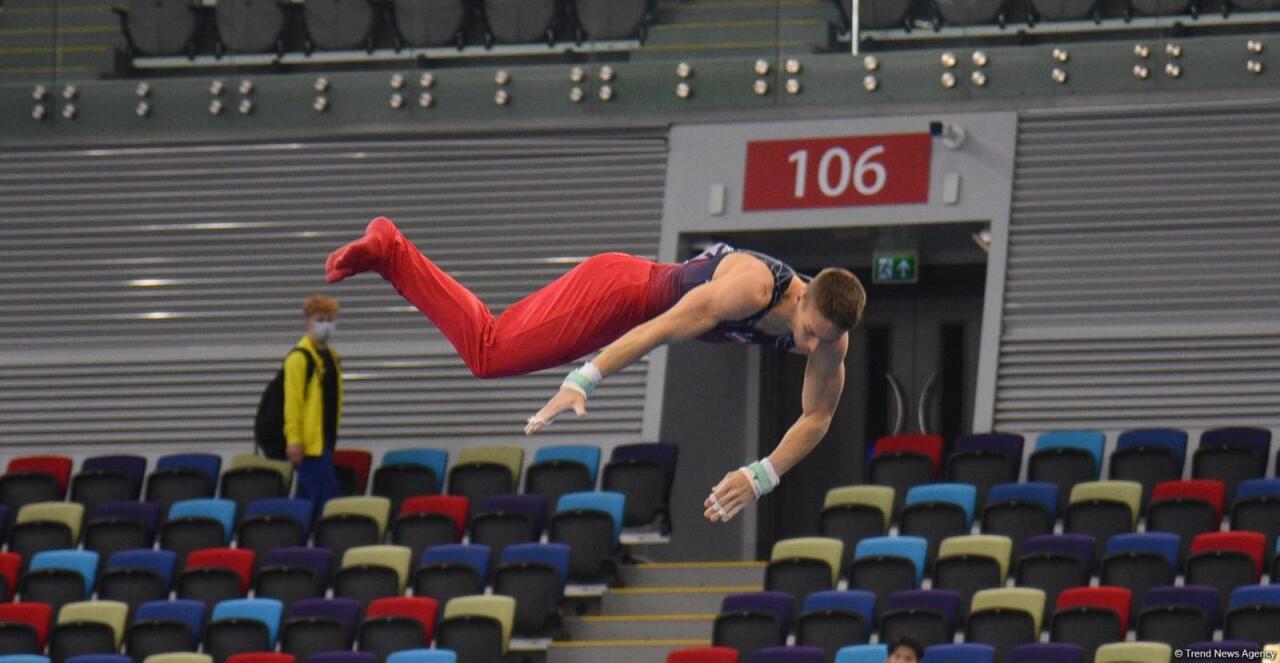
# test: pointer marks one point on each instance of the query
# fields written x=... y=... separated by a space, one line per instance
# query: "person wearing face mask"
x=313 y=403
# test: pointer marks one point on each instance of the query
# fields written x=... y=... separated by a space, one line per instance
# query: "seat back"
x=210 y=465
x=499 y=608
x=999 y=548
x=220 y=510
x=823 y=549
x=611 y=503
x=586 y=455
x=958 y=494
x=877 y=497
x=188 y=612
x=161 y=562
x=111 y=613
x=511 y=457
x=396 y=558
x=911 y=548
x=1133 y=652
x=267 y=611
x=878 y=653
x=1115 y=599
x=969 y=652
x=70 y=514
x=476 y=556
x=369 y=506
x=454 y=507
x=297 y=509
x=1023 y=599
x=358 y=463
x=82 y=562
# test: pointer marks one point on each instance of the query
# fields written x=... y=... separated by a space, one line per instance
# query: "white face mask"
x=323 y=330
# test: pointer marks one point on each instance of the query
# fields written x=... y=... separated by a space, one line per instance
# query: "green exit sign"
x=895 y=268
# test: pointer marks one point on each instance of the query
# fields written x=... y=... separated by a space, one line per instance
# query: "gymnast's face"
x=811 y=329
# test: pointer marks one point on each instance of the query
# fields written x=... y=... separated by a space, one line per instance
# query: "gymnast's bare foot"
x=362 y=254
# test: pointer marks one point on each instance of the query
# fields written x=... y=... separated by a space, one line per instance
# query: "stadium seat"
x=56 y=466
x=1048 y=652
x=10 y=571
x=1178 y=615
x=1225 y=560
x=178 y=657
x=644 y=473
x=585 y=455
x=260 y=657
x=1066 y=458
x=1232 y=455
x=274 y=522
x=877 y=653
x=904 y=461
x=164 y=626
x=477 y=628
x=794 y=654
x=130 y=466
x=1186 y=508
x=237 y=560
x=423 y=656
x=348 y=522
x=1102 y=509
x=408 y=473
x=1134 y=652
x=970 y=12
x=519 y=21
x=353 y=467
x=117 y=526
x=24 y=627
x=483 y=471
x=319 y=625
x=936 y=511
x=87 y=627
x=1149 y=456
x=342 y=657
x=104 y=479
x=248 y=26
x=100 y=658
x=319 y=560
x=803 y=565
x=1254 y=614
x=1257 y=507
x=1091 y=617
x=58 y=577
x=751 y=621
x=341 y=25
x=252 y=477
x=372 y=572
x=242 y=625
x=928 y=615
x=887 y=564
x=290 y=583
x=503 y=520
x=397 y=623
x=1054 y=562
x=533 y=574
x=158 y=28
x=452 y=570
x=41 y=526
x=1020 y=510
x=134 y=577
x=197 y=524
x=431 y=22
x=208 y=465
x=430 y=520
x=967 y=564
x=703 y=655
x=854 y=513
x=985 y=460
x=1005 y=617
x=591 y=524
x=971 y=652
x=1139 y=562
x=831 y=619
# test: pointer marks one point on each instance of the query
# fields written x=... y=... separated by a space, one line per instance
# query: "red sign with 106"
x=844 y=171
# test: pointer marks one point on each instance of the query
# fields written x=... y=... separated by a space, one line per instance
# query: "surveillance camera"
x=935 y=129
x=951 y=135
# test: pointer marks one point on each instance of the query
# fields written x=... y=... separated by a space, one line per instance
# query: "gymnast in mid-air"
x=624 y=306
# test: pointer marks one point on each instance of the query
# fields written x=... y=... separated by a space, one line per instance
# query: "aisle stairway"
x=662 y=607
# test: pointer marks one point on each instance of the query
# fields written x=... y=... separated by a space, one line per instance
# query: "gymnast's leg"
x=578 y=313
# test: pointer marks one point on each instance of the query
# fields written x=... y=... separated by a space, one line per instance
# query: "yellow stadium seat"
x=511 y=457
x=812 y=547
x=377 y=508
x=1125 y=492
x=397 y=558
x=878 y=497
x=996 y=547
x=1026 y=599
x=500 y=608
x=283 y=467
x=70 y=514
x=111 y=613
x=1134 y=652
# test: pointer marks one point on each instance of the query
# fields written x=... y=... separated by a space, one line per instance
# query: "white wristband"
x=773 y=474
x=589 y=369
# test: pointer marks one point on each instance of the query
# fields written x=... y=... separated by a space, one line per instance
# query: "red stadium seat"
x=1252 y=544
x=58 y=467
x=1115 y=599
x=419 y=608
x=261 y=657
x=37 y=615
x=239 y=560
x=358 y=461
x=453 y=506
x=704 y=655
x=10 y=567
x=929 y=446
x=1205 y=490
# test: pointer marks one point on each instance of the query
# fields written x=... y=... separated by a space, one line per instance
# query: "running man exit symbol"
x=894 y=268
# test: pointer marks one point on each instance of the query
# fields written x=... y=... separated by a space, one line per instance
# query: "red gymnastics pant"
x=593 y=304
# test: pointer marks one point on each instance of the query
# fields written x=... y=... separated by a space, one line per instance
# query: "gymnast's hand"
x=563 y=401
x=728 y=497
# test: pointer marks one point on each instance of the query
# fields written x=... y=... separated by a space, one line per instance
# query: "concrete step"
x=640 y=627
x=670 y=600
x=618 y=651
x=693 y=574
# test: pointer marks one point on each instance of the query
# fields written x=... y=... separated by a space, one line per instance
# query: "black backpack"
x=268 y=425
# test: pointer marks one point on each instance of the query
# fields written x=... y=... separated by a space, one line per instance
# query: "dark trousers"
x=317 y=480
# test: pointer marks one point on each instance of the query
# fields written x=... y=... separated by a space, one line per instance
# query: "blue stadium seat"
x=24 y=658
x=435 y=459
x=554 y=555
x=608 y=502
x=186 y=611
x=1090 y=441
x=161 y=562
x=1038 y=492
x=1172 y=439
x=223 y=511
x=969 y=652
x=208 y=464
x=863 y=654
x=1256 y=595
x=1163 y=544
x=859 y=602
x=911 y=547
x=587 y=455
x=474 y=555
x=83 y=562
x=959 y=494
x=267 y=611
x=99 y=658
x=288 y=507
x=423 y=656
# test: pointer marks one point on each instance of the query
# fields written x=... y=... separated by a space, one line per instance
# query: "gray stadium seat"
x=250 y=26
x=431 y=22
x=1160 y=7
x=876 y=15
x=611 y=19
x=969 y=12
x=1064 y=10
x=159 y=27
x=519 y=21
x=339 y=24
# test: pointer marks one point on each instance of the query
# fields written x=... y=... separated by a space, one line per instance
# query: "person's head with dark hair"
x=905 y=650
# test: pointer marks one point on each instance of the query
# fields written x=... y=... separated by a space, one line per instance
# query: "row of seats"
x=882 y=14
x=1117 y=652
x=171 y=27
x=343 y=656
x=643 y=472
x=1003 y=618
x=473 y=627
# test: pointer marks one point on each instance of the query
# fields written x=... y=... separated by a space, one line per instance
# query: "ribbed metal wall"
x=1143 y=282
x=148 y=293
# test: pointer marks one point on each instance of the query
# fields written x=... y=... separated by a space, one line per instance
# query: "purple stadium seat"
x=779 y=603
x=145 y=512
x=533 y=506
x=1047 y=652
x=1079 y=545
x=319 y=559
x=133 y=467
x=943 y=602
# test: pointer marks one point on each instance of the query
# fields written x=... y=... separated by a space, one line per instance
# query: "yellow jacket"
x=304 y=404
